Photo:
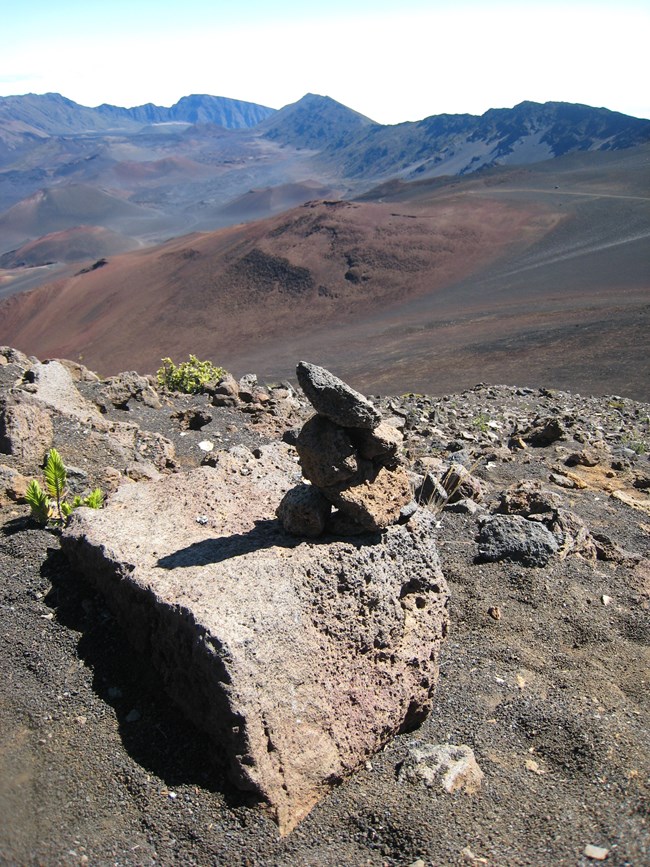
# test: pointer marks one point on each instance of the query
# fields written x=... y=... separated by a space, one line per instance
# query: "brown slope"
x=244 y=288
x=59 y=208
x=70 y=245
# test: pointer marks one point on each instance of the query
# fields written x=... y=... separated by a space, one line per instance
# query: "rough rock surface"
x=333 y=398
x=327 y=455
x=350 y=456
x=304 y=511
x=544 y=674
x=300 y=660
x=52 y=385
x=511 y=537
x=376 y=503
x=129 y=385
x=25 y=428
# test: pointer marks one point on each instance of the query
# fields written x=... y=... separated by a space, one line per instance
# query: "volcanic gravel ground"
x=550 y=689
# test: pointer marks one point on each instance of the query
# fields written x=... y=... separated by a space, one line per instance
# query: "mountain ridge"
x=66 y=116
x=189 y=172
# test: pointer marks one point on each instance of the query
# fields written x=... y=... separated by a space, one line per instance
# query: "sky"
x=394 y=61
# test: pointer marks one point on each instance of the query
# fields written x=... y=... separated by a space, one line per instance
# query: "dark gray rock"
x=331 y=397
x=511 y=537
x=129 y=385
x=327 y=456
x=303 y=511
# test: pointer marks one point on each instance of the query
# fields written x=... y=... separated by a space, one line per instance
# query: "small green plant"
x=190 y=376
x=480 y=422
x=51 y=504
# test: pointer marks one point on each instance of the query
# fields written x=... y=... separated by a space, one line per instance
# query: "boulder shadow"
x=154 y=732
x=267 y=533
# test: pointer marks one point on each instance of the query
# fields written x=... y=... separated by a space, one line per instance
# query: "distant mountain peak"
x=315 y=121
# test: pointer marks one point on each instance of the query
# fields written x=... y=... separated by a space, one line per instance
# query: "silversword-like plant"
x=51 y=504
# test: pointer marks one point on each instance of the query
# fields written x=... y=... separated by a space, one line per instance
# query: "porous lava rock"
x=351 y=456
x=300 y=659
x=334 y=399
x=25 y=428
x=513 y=538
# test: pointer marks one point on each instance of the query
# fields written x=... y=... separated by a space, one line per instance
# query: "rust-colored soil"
x=528 y=276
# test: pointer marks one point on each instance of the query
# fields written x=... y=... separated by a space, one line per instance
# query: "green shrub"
x=51 y=504
x=190 y=376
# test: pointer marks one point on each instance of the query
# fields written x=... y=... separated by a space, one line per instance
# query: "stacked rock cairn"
x=350 y=457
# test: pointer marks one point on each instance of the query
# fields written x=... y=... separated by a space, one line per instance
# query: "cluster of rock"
x=350 y=458
x=41 y=406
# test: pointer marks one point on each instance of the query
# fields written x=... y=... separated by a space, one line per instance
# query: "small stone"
x=461 y=484
x=206 y=445
x=562 y=481
x=596 y=853
x=545 y=432
x=586 y=458
x=465 y=507
x=303 y=511
x=380 y=444
x=454 y=767
x=327 y=455
x=606 y=600
x=226 y=392
x=468 y=855
x=495 y=612
x=132 y=716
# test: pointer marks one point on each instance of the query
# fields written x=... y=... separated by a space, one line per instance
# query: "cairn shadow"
x=154 y=732
x=266 y=533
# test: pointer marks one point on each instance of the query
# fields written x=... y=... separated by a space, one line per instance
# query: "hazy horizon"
x=392 y=65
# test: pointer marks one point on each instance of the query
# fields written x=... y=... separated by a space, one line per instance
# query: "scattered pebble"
x=132 y=716
x=495 y=612
x=468 y=855
x=206 y=445
x=606 y=600
x=596 y=853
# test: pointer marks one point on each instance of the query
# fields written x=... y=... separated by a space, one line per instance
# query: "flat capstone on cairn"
x=350 y=457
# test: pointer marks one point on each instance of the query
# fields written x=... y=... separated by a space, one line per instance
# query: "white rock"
x=453 y=767
x=596 y=853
